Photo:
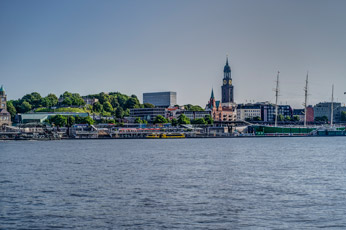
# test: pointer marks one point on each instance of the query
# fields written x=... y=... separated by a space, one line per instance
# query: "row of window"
x=5 y=118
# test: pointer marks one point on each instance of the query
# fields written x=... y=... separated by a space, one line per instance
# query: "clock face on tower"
x=224 y=82
x=230 y=82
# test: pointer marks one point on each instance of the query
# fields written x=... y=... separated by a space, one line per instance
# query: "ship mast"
x=332 y=108
x=276 y=99
x=306 y=97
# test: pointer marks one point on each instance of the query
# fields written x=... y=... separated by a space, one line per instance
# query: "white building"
x=248 y=111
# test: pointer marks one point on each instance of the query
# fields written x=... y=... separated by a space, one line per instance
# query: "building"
x=268 y=111
x=148 y=114
x=300 y=113
x=248 y=111
x=324 y=109
x=310 y=114
x=226 y=110
x=5 y=116
x=161 y=99
x=218 y=112
x=88 y=100
x=192 y=115
x=227 y=97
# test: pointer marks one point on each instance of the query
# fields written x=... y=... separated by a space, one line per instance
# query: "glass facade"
x=160 y=99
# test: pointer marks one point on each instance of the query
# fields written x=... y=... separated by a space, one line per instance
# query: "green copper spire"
x=2 y=89
x=212 y=93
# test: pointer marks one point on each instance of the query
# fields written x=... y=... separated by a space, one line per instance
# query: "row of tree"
x=183 y=119
x=34 y=100
x=114 y=103
x=62 y=120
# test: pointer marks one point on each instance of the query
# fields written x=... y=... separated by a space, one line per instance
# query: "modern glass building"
x=160 y=99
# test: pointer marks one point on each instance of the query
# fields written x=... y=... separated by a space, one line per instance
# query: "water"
x=262 y=183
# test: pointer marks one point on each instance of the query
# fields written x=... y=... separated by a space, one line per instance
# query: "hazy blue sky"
x=144 y=46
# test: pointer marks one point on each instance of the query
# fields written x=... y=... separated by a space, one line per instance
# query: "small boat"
x=165 y=135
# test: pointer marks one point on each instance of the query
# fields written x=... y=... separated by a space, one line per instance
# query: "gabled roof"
x=4 y=112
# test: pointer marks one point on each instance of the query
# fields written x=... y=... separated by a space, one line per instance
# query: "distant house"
x=90 y=101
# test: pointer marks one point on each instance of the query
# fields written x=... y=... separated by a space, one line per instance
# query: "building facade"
x=324 y=109
x=227 y=96
x=226 y=109
x=160 y=99
x=220 y=113
x=310 y=114
x=192 y=115
x=268 y=111
x=248 y=111
x=5 y=116
x=148 y=114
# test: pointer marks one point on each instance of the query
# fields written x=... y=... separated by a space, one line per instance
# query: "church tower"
x=2 y=99
x=227 y=87
x=5 y=116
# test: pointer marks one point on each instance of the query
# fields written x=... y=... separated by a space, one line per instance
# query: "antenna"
x=306 y=97
x=332 y=108
x=276 y=99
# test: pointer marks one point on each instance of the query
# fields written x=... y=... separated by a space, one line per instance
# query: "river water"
x=244 y=183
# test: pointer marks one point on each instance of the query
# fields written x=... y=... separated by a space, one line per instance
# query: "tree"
x=199 y=121
x=209 y=120
x=33 y=99
x=257 y=118
x=103 y=97
x=114 y=102
x=11 y=109
x=84 y=120
x=148 y=105
x=25 y=107
x=119 y=113
x=190 y=107
x=183 y=119
x=174 y=122
x=70 y=121
x=280 y=117
x=87 y=120
x=107 y=107
x=97 y=107
x=132 y=103
x=287 y=118
x=159 y=119
x=126 y=113
x=122 y=99
x=77 y=100
x=138 y=120
x=67 y=101
x=296 y=118
x=343 y=116
x=72 y=99
x=52 y=100
x=49 y=101
x=59 y=120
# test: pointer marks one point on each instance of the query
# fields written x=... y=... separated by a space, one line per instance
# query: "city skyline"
x=90 y=47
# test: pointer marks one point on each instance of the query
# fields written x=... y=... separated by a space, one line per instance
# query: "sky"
x=92 y=46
